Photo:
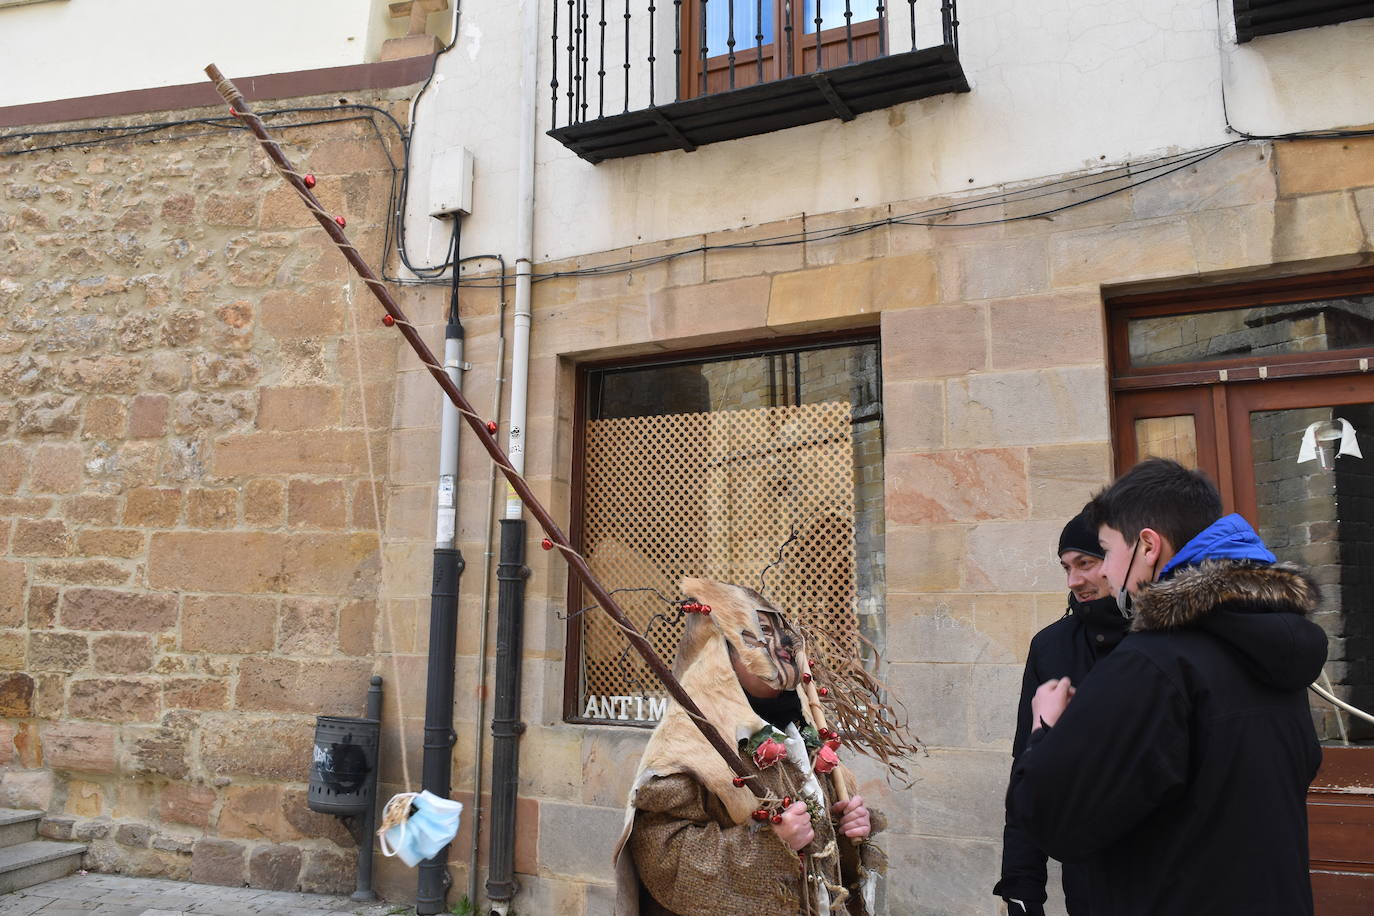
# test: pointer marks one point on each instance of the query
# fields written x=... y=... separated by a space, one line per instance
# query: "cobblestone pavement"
x=114 y=895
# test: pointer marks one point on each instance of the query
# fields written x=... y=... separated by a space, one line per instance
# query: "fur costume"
x=722 y=861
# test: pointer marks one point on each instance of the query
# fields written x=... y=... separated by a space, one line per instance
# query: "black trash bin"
x=344 y=760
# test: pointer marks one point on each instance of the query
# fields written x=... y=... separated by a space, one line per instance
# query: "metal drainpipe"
x=488 y=554
x=511 y=573
x=506 y=726
x=433 y=883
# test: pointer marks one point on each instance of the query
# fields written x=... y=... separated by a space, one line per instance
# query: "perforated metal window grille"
x=713 y=495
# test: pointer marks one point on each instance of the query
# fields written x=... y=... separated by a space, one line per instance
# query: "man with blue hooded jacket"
x=1179 y=771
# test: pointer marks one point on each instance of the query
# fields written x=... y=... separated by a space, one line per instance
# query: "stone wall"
x=996 y=430
x=191 y=564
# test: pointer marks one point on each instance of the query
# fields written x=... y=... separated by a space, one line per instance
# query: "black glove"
x=1023 y=907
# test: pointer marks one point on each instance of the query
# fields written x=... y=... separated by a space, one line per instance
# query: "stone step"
x=27 y=864
x=18 y=826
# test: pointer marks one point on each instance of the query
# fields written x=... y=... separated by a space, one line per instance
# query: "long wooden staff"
x=334 y=226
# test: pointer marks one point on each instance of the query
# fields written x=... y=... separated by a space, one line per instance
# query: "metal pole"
x=439 y=736
x=433 y=881
x=488 y=540
x=557 y=539
x=363 y=892
x=506 y=727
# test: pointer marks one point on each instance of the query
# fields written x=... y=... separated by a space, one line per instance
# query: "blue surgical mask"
x=431 y=825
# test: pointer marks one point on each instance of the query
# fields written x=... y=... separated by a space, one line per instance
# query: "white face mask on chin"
x=1125 y=601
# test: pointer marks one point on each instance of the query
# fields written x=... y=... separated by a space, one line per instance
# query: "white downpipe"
x=524 y=252
x=445 y=523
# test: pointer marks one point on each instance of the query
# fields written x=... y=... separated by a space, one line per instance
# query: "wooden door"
x=1230 y=379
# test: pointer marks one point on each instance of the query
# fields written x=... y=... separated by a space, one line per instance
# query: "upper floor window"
x=738 y=43
x=661 y=76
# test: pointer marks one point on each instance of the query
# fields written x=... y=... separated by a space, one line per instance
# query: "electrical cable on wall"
x=934 y=218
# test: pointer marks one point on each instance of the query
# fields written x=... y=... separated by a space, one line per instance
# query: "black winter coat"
x=1069 y=647
x=1179 y=771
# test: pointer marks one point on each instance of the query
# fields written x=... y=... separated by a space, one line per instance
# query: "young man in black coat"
x=1179 y=771
x=1069 y=647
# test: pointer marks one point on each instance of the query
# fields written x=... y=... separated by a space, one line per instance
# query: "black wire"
x=453 y=293
x=674 y=602
x=429 y=273
x=1164 y=165
x=1295 y=135
x=935 y=218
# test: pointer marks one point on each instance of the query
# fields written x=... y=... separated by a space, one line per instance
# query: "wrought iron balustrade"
x=640 y=76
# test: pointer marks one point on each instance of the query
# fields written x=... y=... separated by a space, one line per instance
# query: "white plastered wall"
x=60 y=49
x=1058 y=87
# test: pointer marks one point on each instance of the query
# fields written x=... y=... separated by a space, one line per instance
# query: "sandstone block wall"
x=996 y=430
x=192 y=566
x=191 y=557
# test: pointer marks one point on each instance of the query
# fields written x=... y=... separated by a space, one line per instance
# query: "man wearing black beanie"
x=1069 y=647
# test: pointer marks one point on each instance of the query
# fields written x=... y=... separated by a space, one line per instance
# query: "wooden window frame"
x=1332 y=284
x=1138 y=392
x=572 y=652
x=865 y=35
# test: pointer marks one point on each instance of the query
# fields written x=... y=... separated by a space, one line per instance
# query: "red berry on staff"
x=739 y=782
x=546 y=544
x=341 y=221
x=777 y=818
x=824 y=691
x=491 y=426
x=309 y=181
x=388 y=320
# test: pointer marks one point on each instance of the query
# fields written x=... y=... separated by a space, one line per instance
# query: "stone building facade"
x=192 y=569
x=217 y=468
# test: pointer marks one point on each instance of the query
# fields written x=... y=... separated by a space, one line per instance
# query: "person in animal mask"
x=697 y=841
x=1090 y=628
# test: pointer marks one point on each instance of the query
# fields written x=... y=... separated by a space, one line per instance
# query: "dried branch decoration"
x=855 y=706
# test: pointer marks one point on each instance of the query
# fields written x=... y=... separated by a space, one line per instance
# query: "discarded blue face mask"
x=416 y=825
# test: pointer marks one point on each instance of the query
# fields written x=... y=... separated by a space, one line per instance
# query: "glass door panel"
x=1314 y=507
x=1167 y=437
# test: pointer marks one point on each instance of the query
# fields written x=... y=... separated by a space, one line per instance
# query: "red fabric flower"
x=826 y=759
x=769 y=753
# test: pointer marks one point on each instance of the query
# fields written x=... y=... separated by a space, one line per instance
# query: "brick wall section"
x=191 y=566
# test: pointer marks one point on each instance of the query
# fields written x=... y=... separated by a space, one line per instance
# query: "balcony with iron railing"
x=1270 y=17
x=641 y=76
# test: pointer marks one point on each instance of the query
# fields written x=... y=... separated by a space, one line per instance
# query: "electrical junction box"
x=450 y=183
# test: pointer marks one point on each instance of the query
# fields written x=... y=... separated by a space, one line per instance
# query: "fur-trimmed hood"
x=1259 y=610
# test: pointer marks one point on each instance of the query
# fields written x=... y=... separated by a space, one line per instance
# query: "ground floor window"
x=715 y=466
